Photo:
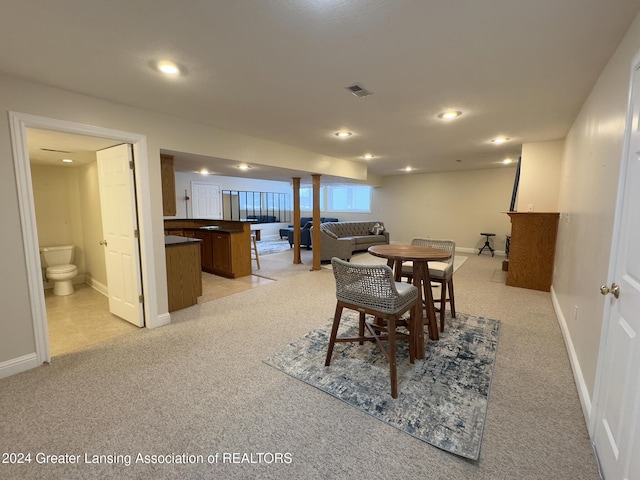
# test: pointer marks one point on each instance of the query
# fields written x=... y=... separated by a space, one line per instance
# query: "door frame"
x=18 y=124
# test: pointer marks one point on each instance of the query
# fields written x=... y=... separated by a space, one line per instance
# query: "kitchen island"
x=225 y=249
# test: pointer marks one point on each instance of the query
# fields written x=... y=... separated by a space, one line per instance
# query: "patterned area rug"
x=265 y=247
x=442 y=399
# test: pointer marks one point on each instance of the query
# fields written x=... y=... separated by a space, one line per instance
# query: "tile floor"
x=82 y=319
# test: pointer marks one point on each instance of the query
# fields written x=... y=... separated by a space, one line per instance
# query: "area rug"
x=265 y=247
x=442 y=399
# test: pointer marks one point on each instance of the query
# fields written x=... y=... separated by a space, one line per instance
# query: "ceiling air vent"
x=54 y=151
x=359 y=91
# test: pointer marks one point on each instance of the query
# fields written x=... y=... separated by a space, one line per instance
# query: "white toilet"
x=59 y=269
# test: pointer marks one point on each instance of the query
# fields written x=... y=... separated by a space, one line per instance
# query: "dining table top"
x=409 y=252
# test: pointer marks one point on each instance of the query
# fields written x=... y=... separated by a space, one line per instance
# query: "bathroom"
x=67 y=207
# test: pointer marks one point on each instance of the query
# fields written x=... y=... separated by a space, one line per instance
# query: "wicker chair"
x=371 y=290
x=439 y=272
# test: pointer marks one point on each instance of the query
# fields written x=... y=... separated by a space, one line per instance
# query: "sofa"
x=262 y=218
x=342 y=239
x=305 y=237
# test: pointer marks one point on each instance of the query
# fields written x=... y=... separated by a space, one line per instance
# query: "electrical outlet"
x=567 y=218
x=530 y=207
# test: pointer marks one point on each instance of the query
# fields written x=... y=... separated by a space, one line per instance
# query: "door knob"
x=614 y=289
x=103 y=242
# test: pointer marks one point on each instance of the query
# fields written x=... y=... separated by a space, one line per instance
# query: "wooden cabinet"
x=167 y=174
x=222 y=260
x=206 y=249
x=532 y=249
x=184 y=277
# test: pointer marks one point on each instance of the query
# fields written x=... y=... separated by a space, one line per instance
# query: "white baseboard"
x=96 y=285
x=18 y=365
x=160 y=321
x=583 y=392
x=475 y=250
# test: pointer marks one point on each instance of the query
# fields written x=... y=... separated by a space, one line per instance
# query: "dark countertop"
x=211 y=228
x=173 y=240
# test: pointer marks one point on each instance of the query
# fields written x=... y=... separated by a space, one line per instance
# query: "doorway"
x=66 y=192
x=19 y=124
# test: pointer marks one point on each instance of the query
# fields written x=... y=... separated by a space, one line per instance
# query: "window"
x=349 y=198
x=338 y=198
x=306 y=198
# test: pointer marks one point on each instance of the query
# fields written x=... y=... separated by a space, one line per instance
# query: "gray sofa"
x=342 y=239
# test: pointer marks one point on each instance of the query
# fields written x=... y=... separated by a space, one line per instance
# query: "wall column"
x=296 y=220
x=315 y=239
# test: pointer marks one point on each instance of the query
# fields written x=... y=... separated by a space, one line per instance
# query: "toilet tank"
x=59 y=255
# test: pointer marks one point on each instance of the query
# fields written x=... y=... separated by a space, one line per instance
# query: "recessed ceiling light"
x=343 y=134
x=244 y=167
x=67 y=160
x=449 y=114
x=408 y=169
x=499 y=140
x=204 y=171
x=168 y=68
x=368 y=156
x=507 y=161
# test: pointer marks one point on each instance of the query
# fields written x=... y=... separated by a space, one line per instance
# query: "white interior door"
x=617 y=432
x=119 y=224
x=206 y=200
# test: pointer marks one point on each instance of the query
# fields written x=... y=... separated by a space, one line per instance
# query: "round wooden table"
x=420 y=256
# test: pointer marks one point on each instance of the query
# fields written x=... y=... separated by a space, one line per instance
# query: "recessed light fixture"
x=368 y=156
x=507 y=161
x=168 y=68
x=67 y=160
x=499 y=140
x=408 y=169
x=244 y=167
x=204 y=171
x=343 y=134
x=449 y=114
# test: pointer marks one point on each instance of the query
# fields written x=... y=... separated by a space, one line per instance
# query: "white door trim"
x=18 y=124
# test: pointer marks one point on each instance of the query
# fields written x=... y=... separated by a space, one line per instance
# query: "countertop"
x=173 y=240
x=210 y=228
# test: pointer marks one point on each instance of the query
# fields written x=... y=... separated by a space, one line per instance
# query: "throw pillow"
x=377 y=229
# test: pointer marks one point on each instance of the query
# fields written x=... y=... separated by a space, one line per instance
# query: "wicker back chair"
x=372 y=290
x=440 y=273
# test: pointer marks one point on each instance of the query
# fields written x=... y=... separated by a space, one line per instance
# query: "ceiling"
x=279 y=70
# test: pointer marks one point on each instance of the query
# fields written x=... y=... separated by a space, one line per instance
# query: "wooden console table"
x=532 y=249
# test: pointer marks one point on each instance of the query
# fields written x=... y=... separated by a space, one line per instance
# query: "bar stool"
x=254 y=250
x=487 y=245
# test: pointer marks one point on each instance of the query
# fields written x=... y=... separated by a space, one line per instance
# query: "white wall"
x=588 y=190
x=67 y=205
x=16 y=328
x=539 y=186
x=452 y=205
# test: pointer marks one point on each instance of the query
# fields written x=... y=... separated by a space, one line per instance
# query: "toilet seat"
x=61 y=269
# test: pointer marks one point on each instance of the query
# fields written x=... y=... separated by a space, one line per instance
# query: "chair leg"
x=334 y=333
x=393 y=364
x=361 y=327
x=443 y=302
x=412 y=335
x=452 y=302
x=254 y=247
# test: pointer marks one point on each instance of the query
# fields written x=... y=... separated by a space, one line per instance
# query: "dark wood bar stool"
x=487 y=245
